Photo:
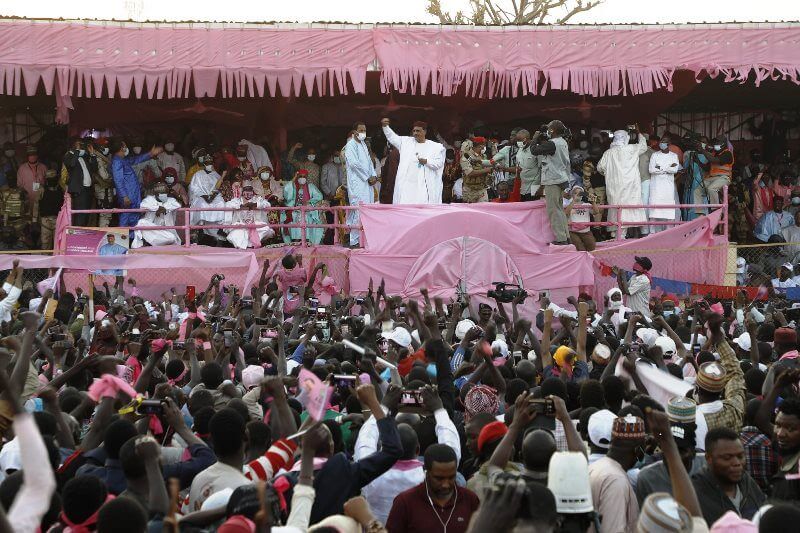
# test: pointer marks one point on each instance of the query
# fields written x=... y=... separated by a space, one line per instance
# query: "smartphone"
x=411 y=398
x=150 y=407
x=322 y=328
x=545 y=406
x=228 y=337
x=178 y=345
x=695 y=349
x=135 y=335
x=268 y=333
x=339 y=304
x=322 y=313
x=359 y=301
x=344 y=381
x=383 y=346
x=517 y=356
x=345 y=329
x=247 y=303
x=58 y=337
x=53 y=330
x=190 y=293
x=313 y=302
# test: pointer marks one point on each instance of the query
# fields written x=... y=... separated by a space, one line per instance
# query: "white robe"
x=257 y=155
x=204 y=184
x=662 y=184
x=415 y=183
x=157 y=237
x=240 y=238
x=620 y=166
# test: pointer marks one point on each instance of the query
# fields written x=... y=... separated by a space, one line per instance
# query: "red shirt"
x=412 y=512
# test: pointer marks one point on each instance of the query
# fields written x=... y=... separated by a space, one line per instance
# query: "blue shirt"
x=125 y=179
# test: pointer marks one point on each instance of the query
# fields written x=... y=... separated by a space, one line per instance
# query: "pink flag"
x=49 y=283
x=314 y=394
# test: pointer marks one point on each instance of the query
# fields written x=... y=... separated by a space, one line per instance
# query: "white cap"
x=217 y=500
x=463 y=327
x=743 y=341
x=788 y=266
x=532 y=355
x=647 y=336
x=252 y=375
x=501 y=347
x=601 y=351
x=399 y=336
x=741 y=265
x=667 y=345
x=599 y=428
x=568 y=480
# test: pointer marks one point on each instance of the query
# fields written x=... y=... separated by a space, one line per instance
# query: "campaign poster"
x=98 y=241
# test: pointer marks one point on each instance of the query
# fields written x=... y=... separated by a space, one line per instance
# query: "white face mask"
x=520 y=144
x=169 y=147
x=137 y=150
x=265 y=176
x=125 y=152
x=9 y=153
x=312 y=157
x=169 y=180
x=362 y=135
x=614 y=305
x=81 y=152
x=337 y=159
x=796 y=200
x=162 y=197
x=104 y=150
x=449 y=159
x=209 y=168
x=301 y=181
x=717 y=147
x=241 y=158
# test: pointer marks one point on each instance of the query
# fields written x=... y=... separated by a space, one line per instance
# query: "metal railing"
x=186 y=228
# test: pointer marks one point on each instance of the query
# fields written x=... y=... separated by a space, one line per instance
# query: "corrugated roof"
x=339 y=25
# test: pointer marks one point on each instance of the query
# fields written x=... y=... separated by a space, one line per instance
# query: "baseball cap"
x=647 y=336
x=667 y=346
x=599 y=428
x=399 y=336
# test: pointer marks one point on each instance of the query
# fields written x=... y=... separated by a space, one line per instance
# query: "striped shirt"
x=280 y=456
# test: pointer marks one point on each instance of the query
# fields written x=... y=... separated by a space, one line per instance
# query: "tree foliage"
x=512 y=12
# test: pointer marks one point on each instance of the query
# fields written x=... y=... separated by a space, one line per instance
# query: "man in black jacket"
x=81 y=164
x=724 y=485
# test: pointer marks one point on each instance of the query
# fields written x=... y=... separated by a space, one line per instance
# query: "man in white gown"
x=361 y=176
x=419 y=174
x=160 y=208
x=620 y=166
x=249 y=211
x=203 y=193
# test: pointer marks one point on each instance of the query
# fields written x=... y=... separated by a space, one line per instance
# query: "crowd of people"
x=293 y=407
x=573 y=171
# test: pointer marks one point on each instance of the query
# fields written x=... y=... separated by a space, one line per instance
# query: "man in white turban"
x=620 y=166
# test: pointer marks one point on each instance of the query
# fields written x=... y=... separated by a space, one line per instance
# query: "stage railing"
x=187 y=227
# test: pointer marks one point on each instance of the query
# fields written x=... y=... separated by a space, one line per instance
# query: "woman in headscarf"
x=620 y=166
x=300 y=192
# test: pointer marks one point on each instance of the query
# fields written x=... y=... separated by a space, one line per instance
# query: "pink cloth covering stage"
x=434 y=247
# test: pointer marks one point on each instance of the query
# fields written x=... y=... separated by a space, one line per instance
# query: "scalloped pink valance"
x=591 y=61
x=164 y=61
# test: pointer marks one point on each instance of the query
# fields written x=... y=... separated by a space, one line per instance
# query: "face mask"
x=449 y=159
x=311 y=157
x=668 y=312
x=796 y=200
x=209 y=168
x=584 y=145
x=169 y=147
x=362 y=135
x=717 y=147
x=81 y=152
x=663 y=146
x=162 y=197
x=137 y=150
x=264 y=176
x=104 y=150
x=9 y=153
x=126 y=152
x=169 y=180
x=301 y=181
x=241 y=158
x=614 y=305
x=520 y=144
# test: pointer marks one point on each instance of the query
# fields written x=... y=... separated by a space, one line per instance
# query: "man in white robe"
x=361 y=176
x=249 y=211
x=203 y=193
x=256 y=154
x=620 y=166
x=663 y=166
x=160 y=212
x=419 y=174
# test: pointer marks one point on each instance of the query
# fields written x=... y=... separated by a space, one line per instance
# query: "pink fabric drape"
x=592 y=61
x=158 y=61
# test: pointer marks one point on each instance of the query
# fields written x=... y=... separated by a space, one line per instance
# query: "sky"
x=610 y=11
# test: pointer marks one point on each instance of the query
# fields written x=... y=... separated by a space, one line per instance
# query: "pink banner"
x=314 y=394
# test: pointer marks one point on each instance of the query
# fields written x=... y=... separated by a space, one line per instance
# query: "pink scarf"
x=108 y=386
x=639 y=270
x=83 y=527
x=184 y=324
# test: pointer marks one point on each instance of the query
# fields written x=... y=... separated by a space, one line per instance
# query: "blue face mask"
x=669 y=312
x=663 y=146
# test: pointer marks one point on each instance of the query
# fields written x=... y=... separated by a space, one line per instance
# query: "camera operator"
x=554 y=152
x=695 y=165
x=720 y=158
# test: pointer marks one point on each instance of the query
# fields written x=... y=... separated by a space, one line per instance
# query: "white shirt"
x=458 y=189
x=8 y=302
x=639 y=294
x=87 y=177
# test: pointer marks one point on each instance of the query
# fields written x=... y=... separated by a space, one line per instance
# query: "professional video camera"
x=506 y=292
x=690 y=141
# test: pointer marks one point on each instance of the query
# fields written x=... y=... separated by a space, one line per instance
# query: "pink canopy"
x=163 y=60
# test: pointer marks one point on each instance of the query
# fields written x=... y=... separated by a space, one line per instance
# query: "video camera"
x=690 y=141
x=506 y=292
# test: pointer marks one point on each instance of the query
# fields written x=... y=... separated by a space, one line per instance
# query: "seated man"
x=250 y=211
x=160 y=212
x=772 y=222
x=203 y=192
